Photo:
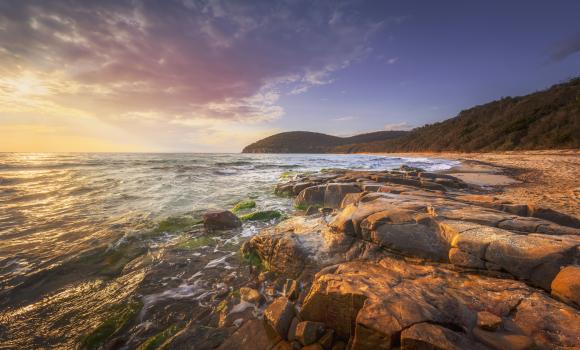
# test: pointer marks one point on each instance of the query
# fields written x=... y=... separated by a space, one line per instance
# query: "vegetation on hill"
x=548 y=119
x=313 y=142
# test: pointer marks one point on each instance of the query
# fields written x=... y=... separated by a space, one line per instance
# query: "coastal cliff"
x=548 y=119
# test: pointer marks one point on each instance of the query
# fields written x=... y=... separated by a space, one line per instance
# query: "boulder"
x=292 y=329
x=566 y=285
x=335 y=193
x=308 y=332
x=298 y=187
x=250 y=295
x=310 y=196
x=291 y=289
x=220 y=220
x=279 y=315
x=326 y=340
x=406 y=231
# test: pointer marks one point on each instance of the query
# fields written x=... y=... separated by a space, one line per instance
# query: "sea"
x=83 y=235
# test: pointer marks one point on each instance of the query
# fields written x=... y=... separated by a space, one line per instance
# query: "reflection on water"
x=82 y=232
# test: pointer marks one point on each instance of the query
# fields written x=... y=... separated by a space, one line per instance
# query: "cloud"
x=179 y=57
x=398 y=126
x=392 y=60
x=345 y=118
x=566 y=48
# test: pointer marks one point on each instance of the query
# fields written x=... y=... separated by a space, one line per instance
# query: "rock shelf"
x=415 y=260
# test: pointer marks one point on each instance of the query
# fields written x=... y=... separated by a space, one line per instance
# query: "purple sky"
x=215 y=75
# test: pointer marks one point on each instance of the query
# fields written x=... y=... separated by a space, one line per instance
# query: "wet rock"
x=279 y=315
x=292 y=329
x=488 y=321
x=296 y=345
x=312 y=210
x=250 y=295
x=566 y=285
x=310 y=196
x=291 y=289
x=326 y=340
x=266 y=276
x=220 y=220
x=339 y=345
x=297 y=188
x=432 y=336
x=253 y=334
x=314 y=346
x=308 y=332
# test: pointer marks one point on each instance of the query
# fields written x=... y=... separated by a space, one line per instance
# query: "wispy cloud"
x=566 y=48
x=392 y=60
x=345 y=118
x=398 y=126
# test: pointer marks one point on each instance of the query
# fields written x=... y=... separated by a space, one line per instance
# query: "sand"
x=542 y=178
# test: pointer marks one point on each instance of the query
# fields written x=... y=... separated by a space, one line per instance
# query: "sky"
x=214 y=76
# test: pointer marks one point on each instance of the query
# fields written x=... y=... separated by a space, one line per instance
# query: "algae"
x=244 y=205
x=262 y=215
x=157 y=340
x=121 y=315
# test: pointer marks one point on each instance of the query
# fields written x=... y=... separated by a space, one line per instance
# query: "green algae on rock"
x=263 y=215
x=244 y=205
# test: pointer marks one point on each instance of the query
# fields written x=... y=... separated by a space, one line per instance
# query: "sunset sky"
x=213 y=76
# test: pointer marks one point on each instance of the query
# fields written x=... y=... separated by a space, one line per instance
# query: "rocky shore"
x=408 y=259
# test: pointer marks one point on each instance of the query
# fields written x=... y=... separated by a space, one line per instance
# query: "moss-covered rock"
x=263 y=215
x=120 y=316
x=196 y=242
x=244 y=205
x=176 y=224
x=156 y=341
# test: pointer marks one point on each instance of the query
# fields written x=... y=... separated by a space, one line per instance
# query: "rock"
x=220 y=220
x=253 y=334
x=488 y=321
x=279 y=315
x=283 y=345
x=310 y=196
x=297 y=188
x=296 y=345
x=311 y=210
x=285 y=189
x=335 y=193
x=503 y=341
x=406 y=231
x=350 y=198
x=432 y=336
x=250 y=295
x=327 y=339
x=266 y=276
x=566 y=285
x=314 y=346
x=292 y=329
x=339 y=345
x=291 y=289
x=374 y=302
x=308 y=332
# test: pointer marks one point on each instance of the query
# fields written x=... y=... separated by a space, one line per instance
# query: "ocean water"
x=80 y=233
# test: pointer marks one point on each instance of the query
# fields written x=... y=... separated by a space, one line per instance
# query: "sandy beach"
x=541 y=178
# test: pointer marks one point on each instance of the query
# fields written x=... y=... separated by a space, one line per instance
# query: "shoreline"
x=544 y=178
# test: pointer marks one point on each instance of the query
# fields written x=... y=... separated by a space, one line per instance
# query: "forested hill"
x=313 y=142
x=548 y=119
